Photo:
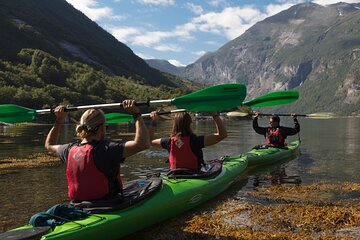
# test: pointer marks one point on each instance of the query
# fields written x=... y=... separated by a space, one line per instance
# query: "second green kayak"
x=268 y=155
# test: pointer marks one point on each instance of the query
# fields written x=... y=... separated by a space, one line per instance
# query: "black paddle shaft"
x=280 y=114
x=71 y=109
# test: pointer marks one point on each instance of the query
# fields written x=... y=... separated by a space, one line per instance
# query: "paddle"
x=113 y=118
x=270 y=99
x=11 y=113
x=320 y=115
x=218 y=97
x=273 y=99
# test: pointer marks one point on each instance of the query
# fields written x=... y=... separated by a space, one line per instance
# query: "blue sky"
x=180 y=31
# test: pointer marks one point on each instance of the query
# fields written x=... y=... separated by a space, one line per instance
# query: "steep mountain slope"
x=61 y=30
x=314 y=49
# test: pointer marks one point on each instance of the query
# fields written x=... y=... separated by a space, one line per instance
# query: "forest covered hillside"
x=51 y=53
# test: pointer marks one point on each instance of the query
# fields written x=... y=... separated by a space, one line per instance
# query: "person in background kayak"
x=185 y=148
x=93 y=163
x=275 y=134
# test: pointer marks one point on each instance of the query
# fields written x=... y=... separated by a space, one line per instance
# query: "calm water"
x=330 y=152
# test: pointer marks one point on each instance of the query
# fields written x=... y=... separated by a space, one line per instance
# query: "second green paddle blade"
x=273 y=99
x=214 y=98
x=112 y=118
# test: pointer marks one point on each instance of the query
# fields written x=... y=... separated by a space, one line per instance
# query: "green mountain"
x=61 y=30
x=311 y=48
x=51 y=53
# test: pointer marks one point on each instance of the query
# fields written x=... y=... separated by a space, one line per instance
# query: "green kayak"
x=175 y=196
x=268 y=155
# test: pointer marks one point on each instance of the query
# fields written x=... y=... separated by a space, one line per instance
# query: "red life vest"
x=274 y=137
x=85 y=181
x=181 y=155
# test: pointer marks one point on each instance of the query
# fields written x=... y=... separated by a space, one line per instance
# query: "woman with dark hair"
x=275 y=134
x=93 y=162
x=185 y=148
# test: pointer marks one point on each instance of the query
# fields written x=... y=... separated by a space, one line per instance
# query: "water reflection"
x=278 y=177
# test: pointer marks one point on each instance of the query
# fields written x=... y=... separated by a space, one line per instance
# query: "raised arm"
x=141 y=140
x=258 y=130
x=219 y=135
x=152 y=127
x=296 y=129
x=52 y=139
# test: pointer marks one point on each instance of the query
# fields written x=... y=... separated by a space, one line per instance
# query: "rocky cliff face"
x=311 y=48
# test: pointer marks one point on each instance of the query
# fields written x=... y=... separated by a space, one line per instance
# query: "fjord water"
x=330 y=151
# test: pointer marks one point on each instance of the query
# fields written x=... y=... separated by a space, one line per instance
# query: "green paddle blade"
x=214 y=98
x=113 y=118
x=321 y=115
x=11 y=113
x=273 y=99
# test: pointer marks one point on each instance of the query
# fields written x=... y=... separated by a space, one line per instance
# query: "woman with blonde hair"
x=185 y=148
x=93 y=163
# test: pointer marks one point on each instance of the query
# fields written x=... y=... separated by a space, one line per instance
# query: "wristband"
x=136 y=115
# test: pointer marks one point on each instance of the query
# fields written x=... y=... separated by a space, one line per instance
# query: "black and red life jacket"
x=274 y=137
x=85 y=181
x=181 y=155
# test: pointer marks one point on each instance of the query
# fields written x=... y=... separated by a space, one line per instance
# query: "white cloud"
x=327 y=2
x=212 y=43
x=216 y=3
x=199 y=53
x=92 y=9
x=176 y=63
x=197 y=9
x=231 y=22
x=145 y=56
x=273 y=9
x=168 y=48
x=149 y=39
x=157 y=2
x=125 y=34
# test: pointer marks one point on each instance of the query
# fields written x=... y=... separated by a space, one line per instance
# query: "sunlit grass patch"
x=33 y=161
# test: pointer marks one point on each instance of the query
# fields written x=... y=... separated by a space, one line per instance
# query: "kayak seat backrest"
x=209 y=170
x=134 y=192
x=266 y=147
